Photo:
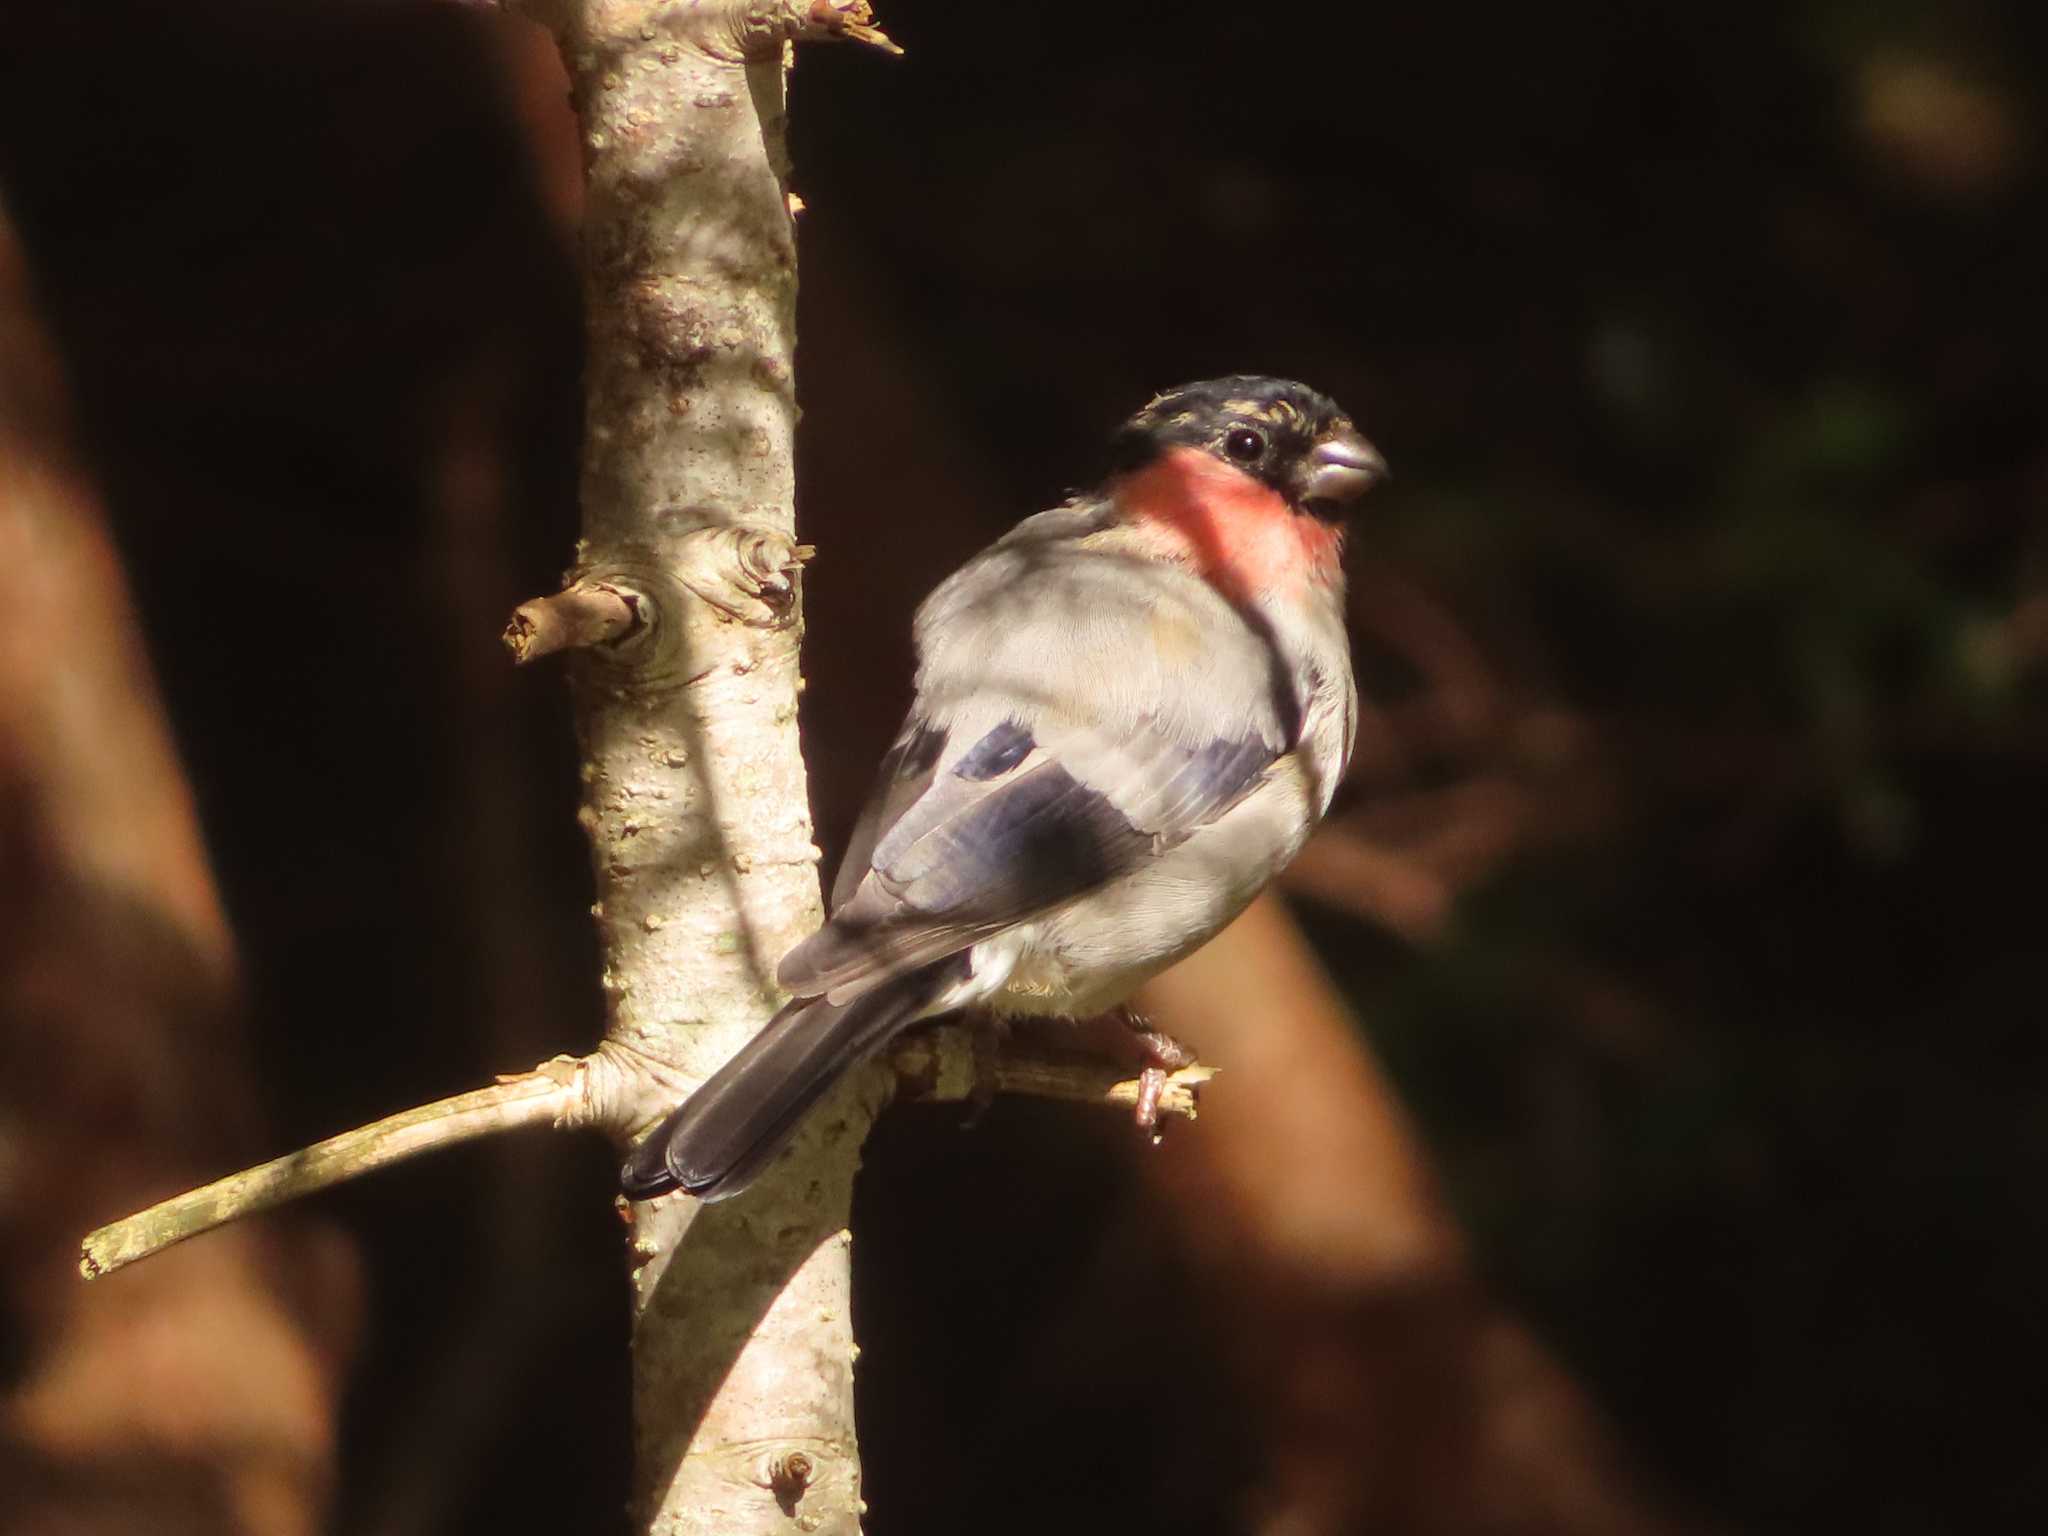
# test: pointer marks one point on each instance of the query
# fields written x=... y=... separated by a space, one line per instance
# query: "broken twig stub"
x=583 y=614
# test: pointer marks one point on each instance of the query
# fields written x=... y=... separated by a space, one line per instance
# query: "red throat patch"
x=1239 y=534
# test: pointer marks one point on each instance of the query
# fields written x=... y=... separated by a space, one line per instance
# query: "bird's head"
x=1250 y=476
x=1284 y=435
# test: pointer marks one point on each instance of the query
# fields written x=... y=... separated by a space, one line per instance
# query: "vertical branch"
x=695 y=797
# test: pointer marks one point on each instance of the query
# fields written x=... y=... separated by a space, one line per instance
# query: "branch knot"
x=747 y=571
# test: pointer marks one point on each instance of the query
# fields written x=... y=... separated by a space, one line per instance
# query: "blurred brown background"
x=1656 y=1139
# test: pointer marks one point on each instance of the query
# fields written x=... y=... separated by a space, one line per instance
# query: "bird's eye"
x=1244 y=445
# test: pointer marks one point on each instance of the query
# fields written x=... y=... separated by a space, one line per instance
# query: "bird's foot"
x=1162 y=1055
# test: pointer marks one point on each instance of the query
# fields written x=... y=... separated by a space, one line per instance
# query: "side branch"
x=936 y=1067
x=553 y=1093
x=584 y=614
x=747 y=571
x=942 y=1065
x=853 y=20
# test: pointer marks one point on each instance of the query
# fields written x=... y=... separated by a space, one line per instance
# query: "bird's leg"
x=1162 y=1054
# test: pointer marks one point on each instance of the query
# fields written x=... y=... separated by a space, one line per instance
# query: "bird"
x=1130 y=712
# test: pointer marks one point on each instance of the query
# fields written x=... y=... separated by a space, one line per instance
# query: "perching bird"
x=1131 y=711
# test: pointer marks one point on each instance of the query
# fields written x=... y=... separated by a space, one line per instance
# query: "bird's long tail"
x=720 y=1138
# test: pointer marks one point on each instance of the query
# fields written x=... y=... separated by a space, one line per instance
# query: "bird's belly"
x=1091 y=954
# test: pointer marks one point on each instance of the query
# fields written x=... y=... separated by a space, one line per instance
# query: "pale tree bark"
x=694 y=790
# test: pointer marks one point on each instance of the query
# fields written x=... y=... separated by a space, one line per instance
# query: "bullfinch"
x=1131 y=711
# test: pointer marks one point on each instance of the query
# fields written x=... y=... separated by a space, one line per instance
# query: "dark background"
x=1705 y=344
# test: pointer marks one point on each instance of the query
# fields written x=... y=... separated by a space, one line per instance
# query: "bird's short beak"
x=1340 y=469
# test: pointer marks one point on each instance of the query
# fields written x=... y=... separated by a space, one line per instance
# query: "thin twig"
x=940 y=1065
x=1082 y=1082
x=850 y=19
x=547 y=1095
x=936 y=1066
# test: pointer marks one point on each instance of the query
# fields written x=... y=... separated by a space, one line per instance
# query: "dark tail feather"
x=720 y=1138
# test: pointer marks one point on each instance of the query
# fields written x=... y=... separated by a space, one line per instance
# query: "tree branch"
x=850 y=19
x=585 y=613
x=943 y=1065
x=935 y=1067
x=553 y=1093
x=694 y=793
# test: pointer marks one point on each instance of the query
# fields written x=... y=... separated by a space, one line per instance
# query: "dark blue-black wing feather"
x=946 y=858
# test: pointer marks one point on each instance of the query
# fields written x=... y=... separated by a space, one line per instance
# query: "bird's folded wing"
x=960 y=845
